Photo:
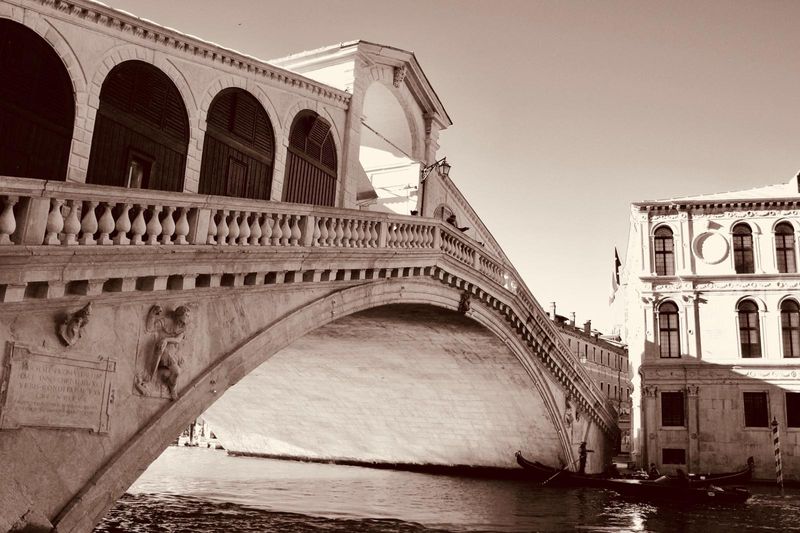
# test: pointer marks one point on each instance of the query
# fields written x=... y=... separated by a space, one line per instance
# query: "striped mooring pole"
x=776 y=441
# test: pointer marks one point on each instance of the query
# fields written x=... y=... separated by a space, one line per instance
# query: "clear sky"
x=565 y=111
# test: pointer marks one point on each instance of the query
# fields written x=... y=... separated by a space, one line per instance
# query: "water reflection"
x=205 y=490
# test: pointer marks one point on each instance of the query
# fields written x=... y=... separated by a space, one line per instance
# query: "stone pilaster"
x=692 y=413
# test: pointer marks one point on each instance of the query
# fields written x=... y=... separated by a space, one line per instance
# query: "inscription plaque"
x=44 y=390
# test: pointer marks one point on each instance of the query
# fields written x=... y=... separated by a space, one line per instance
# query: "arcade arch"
x=37 y=106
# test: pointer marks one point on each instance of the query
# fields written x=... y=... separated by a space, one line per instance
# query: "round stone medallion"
x=711 y=247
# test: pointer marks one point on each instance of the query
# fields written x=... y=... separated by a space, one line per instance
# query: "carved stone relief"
x=465 y=303
x=163 y=358
x=399 y=75
x=70 y=329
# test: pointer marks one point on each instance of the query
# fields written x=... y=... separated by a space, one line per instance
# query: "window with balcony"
x=664 y=248
x=790 y=328
x=784 y=248
x=749 y=329
x=743 y=249
x=668 y=330
x=756 y=409
x=672 y=409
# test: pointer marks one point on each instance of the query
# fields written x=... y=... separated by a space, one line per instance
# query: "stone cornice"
x=785 y=370
x=733 y=282
x=713 y=206
x=175 y=41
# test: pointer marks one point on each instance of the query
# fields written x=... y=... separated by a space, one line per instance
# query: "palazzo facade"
x=712 y=295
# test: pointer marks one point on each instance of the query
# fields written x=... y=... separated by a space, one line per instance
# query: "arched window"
x=664 y=251
x=790 y=328
x=669 y=339
x=442 y=212
x=142 y=131
x=743 y=249
x=784 y=248
x=310 y=162
x=37 y=106
x=239 y=147
x=749 y=329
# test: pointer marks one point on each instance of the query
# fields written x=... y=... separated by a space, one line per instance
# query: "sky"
x=564 y=111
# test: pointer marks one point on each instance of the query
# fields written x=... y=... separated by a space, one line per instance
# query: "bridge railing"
x=36 y=212
x=59 y=214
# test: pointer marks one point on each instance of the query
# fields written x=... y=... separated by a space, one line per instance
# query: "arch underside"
x=399 y=384
x=221 y=359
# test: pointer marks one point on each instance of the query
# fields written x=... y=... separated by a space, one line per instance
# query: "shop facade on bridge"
x=713 y=328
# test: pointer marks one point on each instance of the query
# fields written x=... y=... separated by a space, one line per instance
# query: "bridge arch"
x=112 y=479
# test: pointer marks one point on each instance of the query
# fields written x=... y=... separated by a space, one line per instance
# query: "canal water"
x=192 y=489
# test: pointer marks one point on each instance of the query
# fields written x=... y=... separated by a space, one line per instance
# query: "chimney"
x=553 y=310
x=572 y=319
x=797 y=181
x=587 y=327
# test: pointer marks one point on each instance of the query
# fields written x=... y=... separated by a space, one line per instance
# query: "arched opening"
x=239 y=147
x=141 y=133
x=37 y=106
x=743 y=260
x=310 y=162
x=669 y=334
x=749 y=329
x=390 y=179
x=443 y=380
x=664 y=249
x=784 y=248
x=790 y=328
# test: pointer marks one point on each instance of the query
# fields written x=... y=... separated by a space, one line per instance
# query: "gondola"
x=730 y=478
x=556 y=476
x=667 y=490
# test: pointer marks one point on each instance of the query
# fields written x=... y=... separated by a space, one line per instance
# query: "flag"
x=614 y=277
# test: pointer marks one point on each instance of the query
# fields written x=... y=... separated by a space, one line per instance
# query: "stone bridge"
x=177 y=218
x=83 y=413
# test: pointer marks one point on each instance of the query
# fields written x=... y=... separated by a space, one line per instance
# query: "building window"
x=673 y=456
x=784 y=248
x=756 y=411
x=664 y=247
x=793 y=409
x=672 y=412
x=790 y=328
x=743 y=249
x=749 y=329
x=668 y=331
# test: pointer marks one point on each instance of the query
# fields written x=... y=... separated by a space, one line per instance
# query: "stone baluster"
x=402 y=235
x=168 y=226
x=72 y=225
x=277 y=232
x=315 y=237
x=322 y=222
x=222 y=228
x=373 y=234
x=361 y=241
x=55 y=222
x=255 y=229
x=138 y=228
x=339 y=232
x=244 y=229
x=266 y=229
x=88 y=224
x=212 y=228
x=347 y=234
x=332 y=223
x=182 y=226
x=233 y=228
x=154 y=226
x=296 y=233
x=286 y=230
x=8 y=222
x=106 y=224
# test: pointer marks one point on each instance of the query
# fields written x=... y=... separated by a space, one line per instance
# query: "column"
x=650 y=427
x=693 y=417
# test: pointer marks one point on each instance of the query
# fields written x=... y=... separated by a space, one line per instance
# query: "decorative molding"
x=465 y=303
x=693 y=390
x=651 y=391
x=175 y=40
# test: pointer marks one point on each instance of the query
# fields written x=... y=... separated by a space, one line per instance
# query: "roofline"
x=152 y=33
x=327 y=54
x=733 y=202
